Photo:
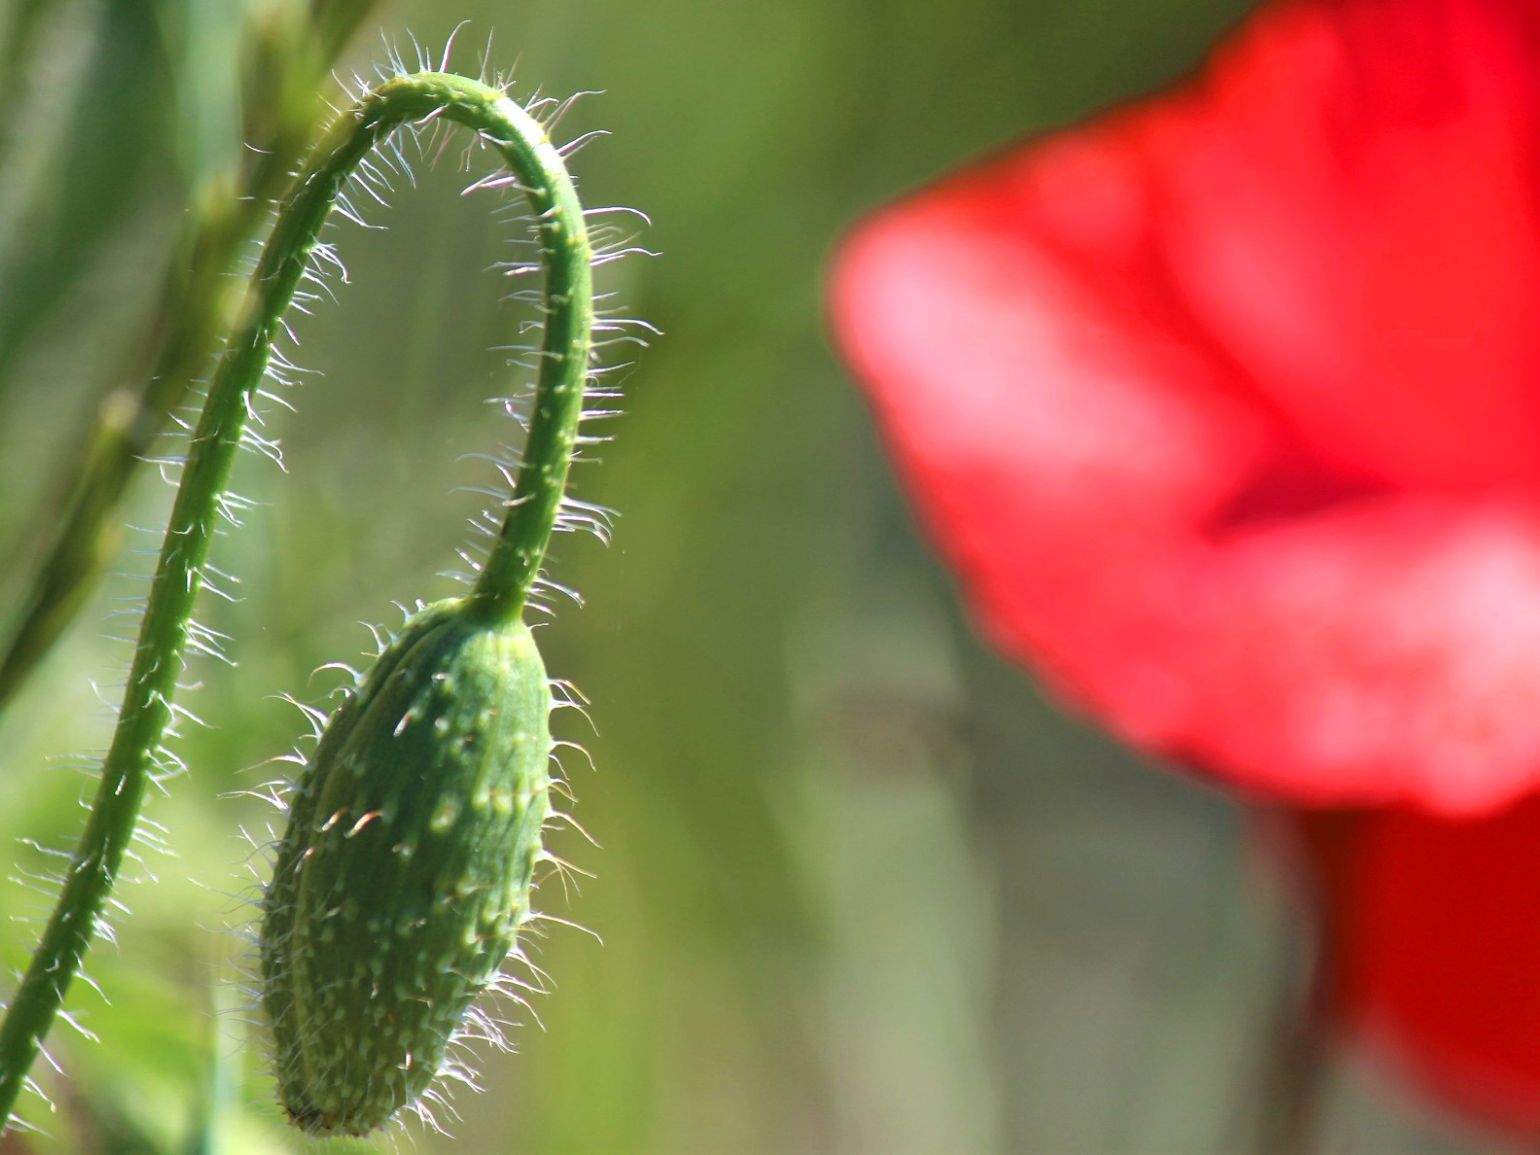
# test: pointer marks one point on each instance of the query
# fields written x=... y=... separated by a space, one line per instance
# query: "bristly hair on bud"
x=406 y=867
x=405 y=870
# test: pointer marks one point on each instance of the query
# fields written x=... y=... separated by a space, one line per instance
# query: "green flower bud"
x=404 y=872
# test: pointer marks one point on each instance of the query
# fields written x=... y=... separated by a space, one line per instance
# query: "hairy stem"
x=148 y=700
x=294 y=48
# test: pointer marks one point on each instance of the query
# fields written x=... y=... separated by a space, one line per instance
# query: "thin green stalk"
x=294 y=46
x=148 y=701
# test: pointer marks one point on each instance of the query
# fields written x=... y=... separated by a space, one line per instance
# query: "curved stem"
x=148 y=700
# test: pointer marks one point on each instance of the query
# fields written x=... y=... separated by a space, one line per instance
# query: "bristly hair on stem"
x=536 y=169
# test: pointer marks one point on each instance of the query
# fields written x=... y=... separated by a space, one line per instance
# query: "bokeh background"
x=861 y=888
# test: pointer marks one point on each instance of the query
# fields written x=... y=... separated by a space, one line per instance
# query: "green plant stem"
x=294 y=46
x=148 y=701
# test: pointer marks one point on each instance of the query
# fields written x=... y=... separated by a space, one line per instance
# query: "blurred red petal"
x=1435 y=949
x=1348 y=203
x=1227 y=408
x=1384 y=652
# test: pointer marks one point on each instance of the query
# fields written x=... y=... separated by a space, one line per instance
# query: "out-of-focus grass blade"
x=113 y=140
x=205 y=1136
x=205 y=42
x=20 y=24
x=291 y=51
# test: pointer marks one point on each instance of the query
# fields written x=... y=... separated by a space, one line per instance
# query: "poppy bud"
x=404 y=872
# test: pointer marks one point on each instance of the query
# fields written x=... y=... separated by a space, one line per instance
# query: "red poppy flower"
x=1433 y=950
x=1226 y=407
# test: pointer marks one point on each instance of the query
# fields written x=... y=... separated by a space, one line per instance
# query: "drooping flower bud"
x=405 y=869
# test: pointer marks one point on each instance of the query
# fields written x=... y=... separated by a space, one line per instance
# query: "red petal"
x=1387 y=651
x=1436 y=953
x=1056 y=437
x=1348 y=202
x=1226 y=409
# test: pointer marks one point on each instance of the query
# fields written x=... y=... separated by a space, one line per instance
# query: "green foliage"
x=291 y=46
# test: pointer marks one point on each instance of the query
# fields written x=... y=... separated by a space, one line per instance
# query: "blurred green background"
x=861 y=889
